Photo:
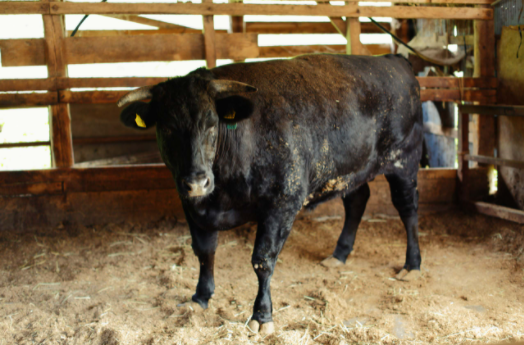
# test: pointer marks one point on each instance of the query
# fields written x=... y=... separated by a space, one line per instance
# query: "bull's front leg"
x=272 y=233
x=204 y=246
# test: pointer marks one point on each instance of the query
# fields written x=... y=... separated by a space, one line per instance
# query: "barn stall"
x=96 y=249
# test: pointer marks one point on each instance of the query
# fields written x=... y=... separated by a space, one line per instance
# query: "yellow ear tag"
x=230 y=116
x=140 y=122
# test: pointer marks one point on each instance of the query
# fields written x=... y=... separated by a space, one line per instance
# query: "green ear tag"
x=231 y=126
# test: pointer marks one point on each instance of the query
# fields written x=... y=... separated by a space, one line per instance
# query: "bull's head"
x=187 y=112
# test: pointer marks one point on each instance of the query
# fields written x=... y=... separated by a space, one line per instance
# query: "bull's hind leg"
x=355 y=205
x=404 y=195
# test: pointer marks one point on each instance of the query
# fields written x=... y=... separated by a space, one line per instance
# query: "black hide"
x=319 y=126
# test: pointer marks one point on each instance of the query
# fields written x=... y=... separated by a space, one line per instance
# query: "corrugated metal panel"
x=508 y=12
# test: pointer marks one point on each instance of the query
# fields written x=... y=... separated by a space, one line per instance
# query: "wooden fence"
x=175 y=43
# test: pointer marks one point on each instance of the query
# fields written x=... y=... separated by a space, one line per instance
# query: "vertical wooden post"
x=236 y=25
x=484 y=53
x=353 y=36
x=209 y=39
x=59 y=116
x=463 y=148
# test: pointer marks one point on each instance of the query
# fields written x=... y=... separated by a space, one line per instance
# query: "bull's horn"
x=223 y=88
x=136 y=95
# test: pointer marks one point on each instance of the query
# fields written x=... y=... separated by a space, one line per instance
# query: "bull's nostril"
x=187 y=185
x=208 y=181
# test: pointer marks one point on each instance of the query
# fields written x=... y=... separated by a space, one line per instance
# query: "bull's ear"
x=219 y=88
x=234 y=109
x=138 y=116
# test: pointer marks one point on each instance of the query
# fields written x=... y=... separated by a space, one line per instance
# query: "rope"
x=423 y=57
x=78 y=26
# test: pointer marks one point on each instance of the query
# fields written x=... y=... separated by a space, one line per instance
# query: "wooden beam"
x=209 y=39
x=484 y=55
x=306 y=28
x=463 y=150
x=146 y=21
x=353 y=36
x=425 y=82
x=11 y=100
x=237 y=9
x=503 y=110
x=28 y=144
x=23 y=52
x=495 y=161
x=339 y=24
x=451 y=95
x=288 y=51
x=22 y=7
x=497 y=211
x=457 y=83
x=59 y=116
x=112 y=140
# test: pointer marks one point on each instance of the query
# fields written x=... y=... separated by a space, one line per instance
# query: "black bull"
x=260 y=141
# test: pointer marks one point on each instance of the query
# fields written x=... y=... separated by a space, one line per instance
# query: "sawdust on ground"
x=126 y=283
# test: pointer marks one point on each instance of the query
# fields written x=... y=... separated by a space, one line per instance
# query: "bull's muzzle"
x=197 y=185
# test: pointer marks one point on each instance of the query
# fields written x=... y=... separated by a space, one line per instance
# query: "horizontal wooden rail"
x=474 y=89
x=239 y=9
x=113 y=140
x=502 y=110
x=495 y=161
x=498 y=211
x=67 y=83
x=135 y=177
x=256 y=28
x=27 y=144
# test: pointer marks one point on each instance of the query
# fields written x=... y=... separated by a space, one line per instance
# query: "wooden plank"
x=306 y=28
x=404 y=12
x=27 y=144
x=209 y=38
x=111 y=140
x=59 y=116
x=288 y=51
x=22 y=52
x=31 y=189
x=339 y=24
x=157 y=48
x=353 y=36
x=495 y=161
x=11 y=100
x=66 y=83
x=23 y=7
x=503 y=110
x=88 y=97
x=146 y=21
x=255 y=27
x=85 y=97
x=450 y=95
x=452 y=82
x=463 y=150
x=497 y=211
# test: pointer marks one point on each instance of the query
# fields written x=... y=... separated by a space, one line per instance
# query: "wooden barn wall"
x=510 y=68
x=98 y=121
x=103 y=195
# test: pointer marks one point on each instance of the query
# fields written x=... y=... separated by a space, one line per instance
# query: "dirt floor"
x=126 y=283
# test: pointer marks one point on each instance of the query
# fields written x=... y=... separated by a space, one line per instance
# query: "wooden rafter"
x=429 y=12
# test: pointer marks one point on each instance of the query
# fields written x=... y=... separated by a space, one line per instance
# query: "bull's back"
x=342 y=114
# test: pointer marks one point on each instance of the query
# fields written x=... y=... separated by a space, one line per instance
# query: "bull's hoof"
x=406 y=275
x=191 y=306
x=331 y=261
x=262 y=329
